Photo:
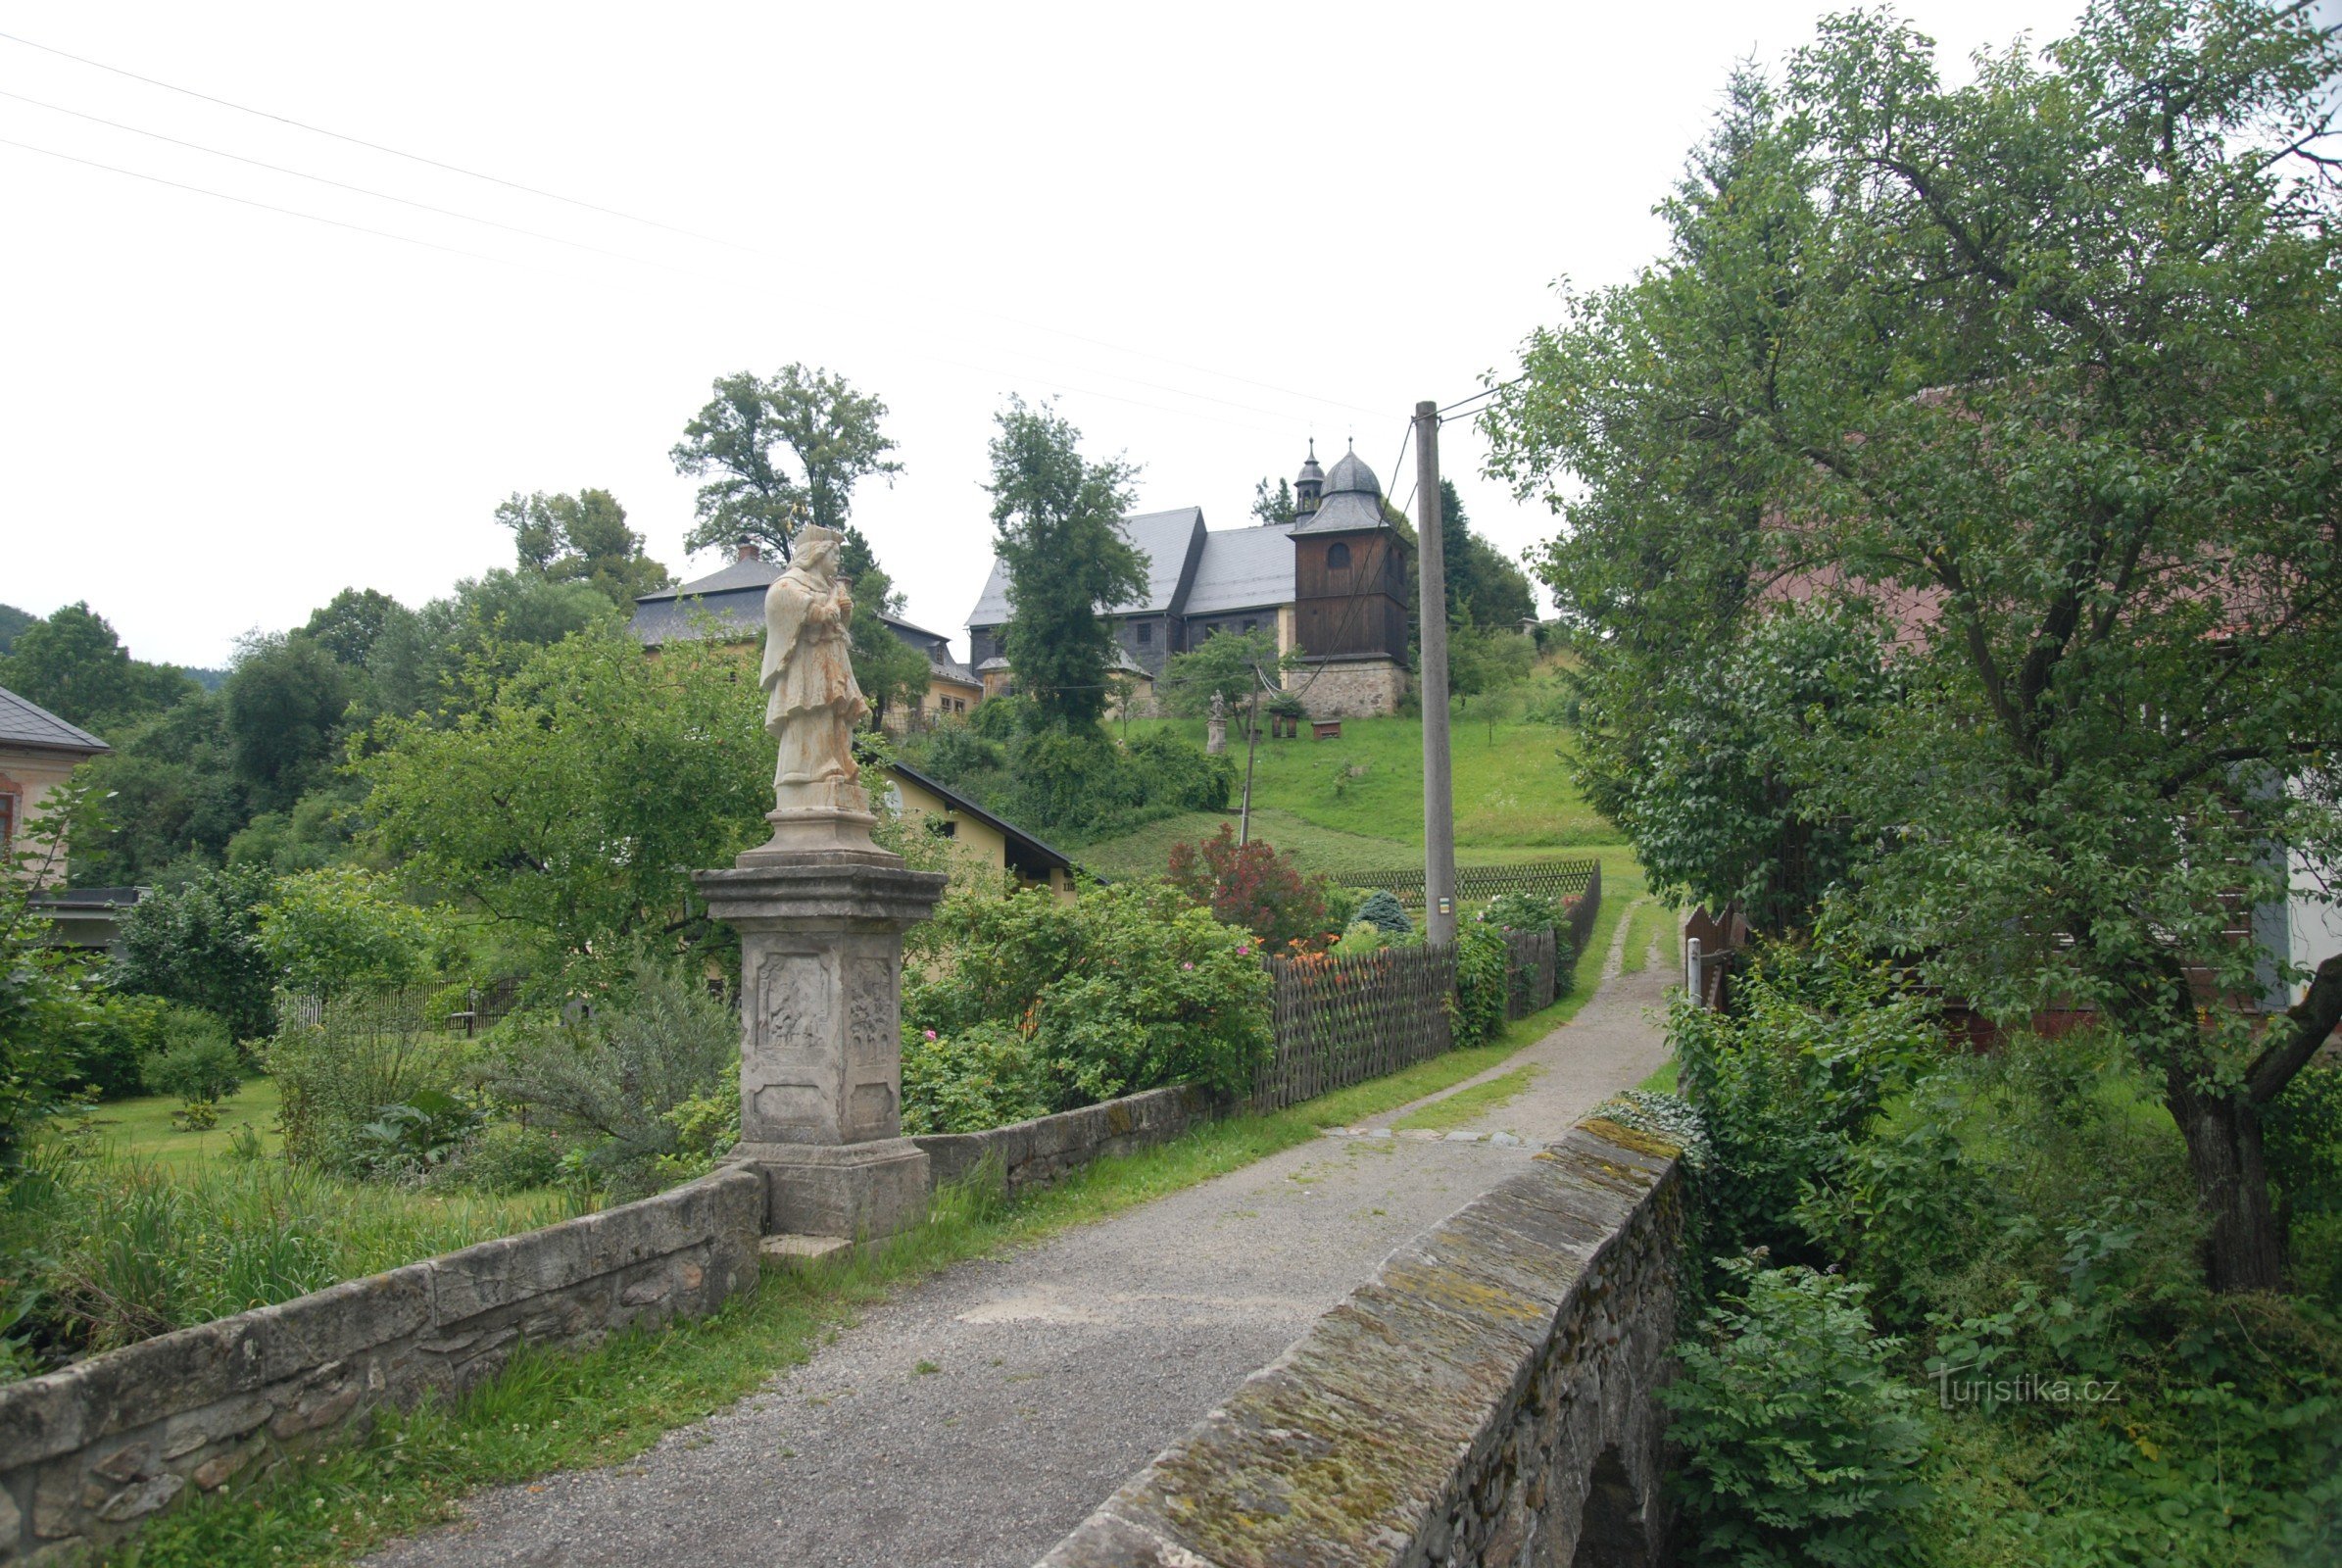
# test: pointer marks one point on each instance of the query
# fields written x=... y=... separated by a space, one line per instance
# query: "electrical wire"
x=280 y=168
x=265 y=207
x=374 y=146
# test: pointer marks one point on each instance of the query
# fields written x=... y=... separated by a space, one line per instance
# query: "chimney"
x=748 y=550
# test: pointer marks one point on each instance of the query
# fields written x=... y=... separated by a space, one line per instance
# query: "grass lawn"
x=1470 y=1104
x=1512 y=781
x=141 y=1128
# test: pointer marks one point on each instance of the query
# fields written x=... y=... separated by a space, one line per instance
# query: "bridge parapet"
x=1487 y=1398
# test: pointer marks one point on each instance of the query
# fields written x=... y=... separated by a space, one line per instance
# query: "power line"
x=265 y=207
x=375 y=146
x=280 y=168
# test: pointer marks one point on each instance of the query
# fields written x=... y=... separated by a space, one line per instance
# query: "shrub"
x=1800 y=1447
x=1524 y=911
x=1180 y=777
x=1252 y=886
x=1787 y=1084
x=1382 y=909
x=335 y=1075
x=121 y=1033
x=199 y=944
x=1129 y=987
x=1362 y=936
x=195 y=1061
x=507 y=1156
x=341 y=929
x=416 y=1134
x=984 y=1076
x=1483 y=984
x=641 y=1085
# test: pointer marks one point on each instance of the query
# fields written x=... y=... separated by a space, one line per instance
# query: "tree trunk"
x=2223 y=1147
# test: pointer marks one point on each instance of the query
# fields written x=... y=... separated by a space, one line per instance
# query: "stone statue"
x=811 y=701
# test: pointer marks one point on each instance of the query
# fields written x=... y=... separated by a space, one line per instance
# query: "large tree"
x=582 y=538
x=832 y=438
x=73 y=665
x=1057 y=521
x=2036 y=373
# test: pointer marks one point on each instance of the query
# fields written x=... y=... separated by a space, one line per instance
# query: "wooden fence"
x=1340 y=1021
x=1476 y=884
x=1532 y=971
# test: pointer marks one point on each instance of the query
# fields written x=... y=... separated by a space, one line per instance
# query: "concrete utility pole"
x=1439 y=789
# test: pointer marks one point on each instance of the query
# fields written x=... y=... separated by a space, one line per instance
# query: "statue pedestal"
x=821 y=1026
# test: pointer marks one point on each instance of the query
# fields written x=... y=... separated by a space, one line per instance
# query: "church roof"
x=1164 y=538
x=1244 y=568
x=1309 y=470
x=757 y=572
x=1354 y=500
x=24 y=723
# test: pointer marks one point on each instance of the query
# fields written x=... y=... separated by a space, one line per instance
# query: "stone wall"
x=88 y=1451
x=1039 y=1153
x=1339 y=688
x=1488 y=1399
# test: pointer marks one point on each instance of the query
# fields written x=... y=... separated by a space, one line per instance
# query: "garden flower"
x=929 y=1033
x=1187 y=966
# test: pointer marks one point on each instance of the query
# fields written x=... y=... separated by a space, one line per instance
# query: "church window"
x=1251 y=625
x=1145 y=634
x=1338 y=556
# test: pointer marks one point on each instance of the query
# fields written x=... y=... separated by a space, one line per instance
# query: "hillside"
x=1357 y=802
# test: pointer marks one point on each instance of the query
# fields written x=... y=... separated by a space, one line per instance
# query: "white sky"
x=1211 y=230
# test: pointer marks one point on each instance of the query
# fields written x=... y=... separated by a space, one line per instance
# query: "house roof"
x=1026 y=853
x=1165 y=538
x=24 y=723
x=735 y=597
x=756 y=573
x=1244 y=568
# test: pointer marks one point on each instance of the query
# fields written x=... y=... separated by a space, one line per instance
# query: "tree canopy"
x=582 y=538
x=2036 y=374
x=1057 y=521
x=829 y=430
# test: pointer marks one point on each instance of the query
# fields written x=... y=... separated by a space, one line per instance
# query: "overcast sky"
x=1210 y=231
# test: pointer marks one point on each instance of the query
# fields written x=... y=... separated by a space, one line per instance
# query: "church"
x=1332 y=584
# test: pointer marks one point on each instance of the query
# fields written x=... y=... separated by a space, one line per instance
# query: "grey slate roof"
x=1244 y=568
x=1164 y=538
x=734 y=596
x=24 y=722
x=1354 y=500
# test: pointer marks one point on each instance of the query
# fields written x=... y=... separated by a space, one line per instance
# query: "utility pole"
x=1439 y=788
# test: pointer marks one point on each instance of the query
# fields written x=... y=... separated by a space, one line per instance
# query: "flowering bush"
x=1524 y=911
x=1129 y=987
x=1252 y=886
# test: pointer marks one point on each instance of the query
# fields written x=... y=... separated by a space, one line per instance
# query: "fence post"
x=1691 y=975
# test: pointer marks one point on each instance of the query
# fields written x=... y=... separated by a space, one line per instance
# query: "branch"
x=2314 y=1018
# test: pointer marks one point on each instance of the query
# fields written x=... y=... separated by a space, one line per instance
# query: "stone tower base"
x=1349 y=688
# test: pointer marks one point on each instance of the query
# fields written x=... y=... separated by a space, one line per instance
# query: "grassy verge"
x=1470 y=1104
x=560 y=1412
x=1662 y=1082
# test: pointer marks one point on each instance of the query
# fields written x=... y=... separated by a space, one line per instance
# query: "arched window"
x=1338 y=556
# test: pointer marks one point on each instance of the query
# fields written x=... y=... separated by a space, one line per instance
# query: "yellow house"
x=978 y=837
x=39 y=752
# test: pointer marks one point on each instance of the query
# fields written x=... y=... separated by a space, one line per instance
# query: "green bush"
x=984 y=1076
x=1180 y=775
x=1483 y=984
x=1524 y=911
x=335 y=1076
x=1362 y=936
x=1790 y=1081
x=121 y=1033
x=507 y=1157
x=342 y=928
x=1126 y=988
x=640 y=1089
x=1799 y=1445
x=199 y=943
x=1382 y=909
x=197 y=1063
x=416 y=1134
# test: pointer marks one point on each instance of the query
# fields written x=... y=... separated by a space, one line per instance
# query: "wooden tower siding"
x=1357 y=610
